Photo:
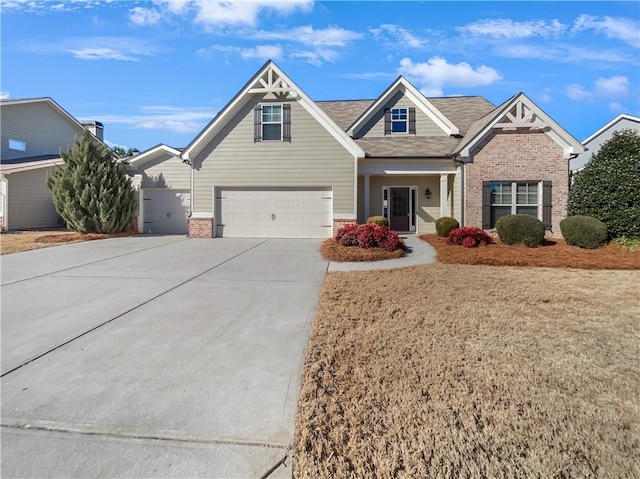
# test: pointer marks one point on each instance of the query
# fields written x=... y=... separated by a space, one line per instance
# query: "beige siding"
x=457 y=195
x=361 y=218
x=40 y=126
x=428 y=209
x=166 y=171
x=29 y=200
x=313 y=158
x=425 y=126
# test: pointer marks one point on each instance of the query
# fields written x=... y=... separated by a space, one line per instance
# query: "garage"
x=165 y=211
x=274 y=212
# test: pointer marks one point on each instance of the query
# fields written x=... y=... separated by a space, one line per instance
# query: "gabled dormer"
x=402 y=110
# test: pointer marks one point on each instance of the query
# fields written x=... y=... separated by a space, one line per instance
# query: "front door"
x=399 y=218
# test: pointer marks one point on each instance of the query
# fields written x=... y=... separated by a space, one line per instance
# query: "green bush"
x=629 y=244
x=608 y=187
x=520 y=229
x=378 y=220
x=445 y=225
x=583 y=231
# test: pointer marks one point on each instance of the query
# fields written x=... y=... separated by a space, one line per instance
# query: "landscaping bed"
x=332 y=251
x=17 y=241
x=554 y=253
x=447 y=371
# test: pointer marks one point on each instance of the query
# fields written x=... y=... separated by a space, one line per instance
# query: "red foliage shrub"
x=468 y=237
x=367 y=236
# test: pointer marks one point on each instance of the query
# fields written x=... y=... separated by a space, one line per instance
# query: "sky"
x=158 y=71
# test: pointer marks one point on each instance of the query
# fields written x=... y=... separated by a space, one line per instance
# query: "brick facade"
x=200 y=227
x=338 y=223
x=517 y=155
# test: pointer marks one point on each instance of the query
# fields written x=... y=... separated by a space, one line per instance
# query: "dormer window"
x=272 y=122
x=400 y=121
x=399 y=118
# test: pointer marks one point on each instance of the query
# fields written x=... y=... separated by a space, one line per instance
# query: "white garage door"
x=274 y=212
x=165 y=211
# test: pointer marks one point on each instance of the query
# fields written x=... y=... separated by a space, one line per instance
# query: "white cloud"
x=331 y=36
x=243 y=12
x=101 y=53
x=397 y=36
x=617 y=107
x=318 y=56
x=506 y=28
x=623 y=29
x=163 y=117
x=564 y=53
x=144 y=16
x=4 y=95
x=262 y=52
x=612 y=87
x=578 y=93
x=436 y=73
x=31 y=6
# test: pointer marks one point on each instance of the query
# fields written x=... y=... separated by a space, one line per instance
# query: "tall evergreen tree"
x=92 y=192
x=608 y=187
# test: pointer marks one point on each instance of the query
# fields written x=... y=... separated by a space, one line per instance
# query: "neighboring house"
x=34 y=131
x=275 y=163
x=604 y=134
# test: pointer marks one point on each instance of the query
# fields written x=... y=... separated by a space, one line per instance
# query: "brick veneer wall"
x=517 y=155
x=200 y=227
x=338 y=223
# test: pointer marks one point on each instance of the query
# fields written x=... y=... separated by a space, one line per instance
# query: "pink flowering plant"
x=468 y=237
x=368 y=236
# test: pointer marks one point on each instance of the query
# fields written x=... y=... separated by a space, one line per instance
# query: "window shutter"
x=257 y=123
x=286 y=122
x=486 y=204
x=546 y=204
x=412 y=120
x=387 y=121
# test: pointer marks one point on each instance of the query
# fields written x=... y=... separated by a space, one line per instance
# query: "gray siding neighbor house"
x=34 y=131
x=275 y=163
x=604 y=134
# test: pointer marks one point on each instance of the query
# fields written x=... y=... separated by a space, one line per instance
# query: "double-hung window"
x=272 y=122
x=513 y=198
x=399 y=120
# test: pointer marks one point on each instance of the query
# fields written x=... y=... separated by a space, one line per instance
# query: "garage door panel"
x=275 y=213
x=165 y=211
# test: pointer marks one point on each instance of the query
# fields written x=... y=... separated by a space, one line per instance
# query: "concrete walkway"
x=155 y=356
x=418 y=252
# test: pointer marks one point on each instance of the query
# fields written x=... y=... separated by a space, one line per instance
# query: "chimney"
x=96 y=128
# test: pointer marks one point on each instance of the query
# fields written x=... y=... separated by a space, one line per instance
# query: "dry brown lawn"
x=554 y=253
x=332 y=251
x=459 y=371
x=17 y=241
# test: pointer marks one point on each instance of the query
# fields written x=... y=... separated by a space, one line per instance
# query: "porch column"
x=444 y=185
x=366 y=196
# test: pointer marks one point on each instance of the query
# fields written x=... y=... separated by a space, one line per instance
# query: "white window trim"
x=406 y=121
x=263 y=123
x=514 y=197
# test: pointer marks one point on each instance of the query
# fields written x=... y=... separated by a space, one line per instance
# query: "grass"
x=553 y=253
x=18 y=241
x=332 y=251
x=460 y=371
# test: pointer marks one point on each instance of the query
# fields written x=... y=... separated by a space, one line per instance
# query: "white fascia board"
x=609 y=125
x=151 y=154
x=35 y=165
x=302 y=98
x=401 y=84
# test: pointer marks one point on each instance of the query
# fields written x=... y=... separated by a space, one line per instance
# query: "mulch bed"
x=332 y=251
x=554 y=253
x=71 y=237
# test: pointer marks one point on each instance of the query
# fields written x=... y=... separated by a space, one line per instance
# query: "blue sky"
x=158 y=71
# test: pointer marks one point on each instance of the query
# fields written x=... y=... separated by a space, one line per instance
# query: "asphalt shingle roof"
x=463 y=111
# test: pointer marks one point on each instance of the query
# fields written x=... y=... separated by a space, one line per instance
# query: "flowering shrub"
x=468 y=237
x=367 y=236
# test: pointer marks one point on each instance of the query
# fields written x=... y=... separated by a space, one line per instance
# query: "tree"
x=122 y=153
x=608 y=187
x=92 y=192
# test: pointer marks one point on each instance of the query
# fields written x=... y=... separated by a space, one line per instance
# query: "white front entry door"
x=274 y=212
x=165 y=211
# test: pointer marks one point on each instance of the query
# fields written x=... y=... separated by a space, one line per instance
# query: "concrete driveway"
x=155 y=356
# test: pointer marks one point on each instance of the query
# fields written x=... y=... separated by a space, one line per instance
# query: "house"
x=604 y=134
x=34 y=131
x=275 y=163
